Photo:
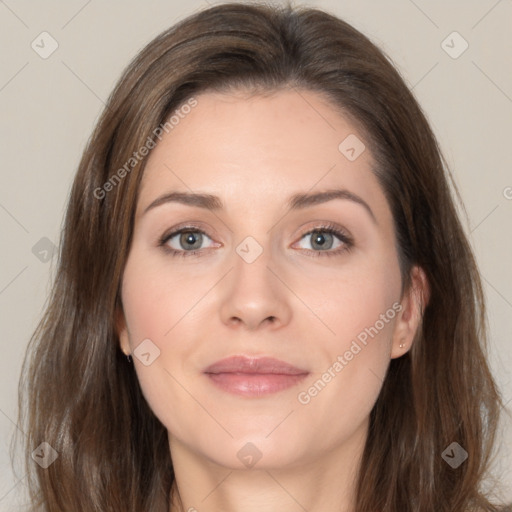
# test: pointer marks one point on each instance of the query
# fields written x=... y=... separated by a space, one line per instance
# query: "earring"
x=129 y=358
x=401 y=345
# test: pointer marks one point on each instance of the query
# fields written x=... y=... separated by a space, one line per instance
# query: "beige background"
x=49 y=107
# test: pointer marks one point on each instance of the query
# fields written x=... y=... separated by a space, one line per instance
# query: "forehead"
x=260 y=149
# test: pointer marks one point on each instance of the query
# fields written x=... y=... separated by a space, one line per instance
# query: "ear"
x=122 y=331
x=409 y=319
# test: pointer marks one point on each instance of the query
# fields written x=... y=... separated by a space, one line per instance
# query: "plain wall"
x=49 y=107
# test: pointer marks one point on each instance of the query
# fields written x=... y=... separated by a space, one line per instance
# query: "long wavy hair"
x=79 y=394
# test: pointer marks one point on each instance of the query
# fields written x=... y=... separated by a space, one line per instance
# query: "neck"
x=315 y=484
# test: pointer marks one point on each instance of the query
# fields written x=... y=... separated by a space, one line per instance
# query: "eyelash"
x=347 y=241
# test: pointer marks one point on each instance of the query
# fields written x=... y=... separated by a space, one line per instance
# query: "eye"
x=189 y=241
x=323 y=239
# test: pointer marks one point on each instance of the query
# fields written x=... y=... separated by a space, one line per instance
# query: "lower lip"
x=254 y=384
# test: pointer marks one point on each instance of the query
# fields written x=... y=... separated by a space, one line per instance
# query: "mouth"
x=254 y=377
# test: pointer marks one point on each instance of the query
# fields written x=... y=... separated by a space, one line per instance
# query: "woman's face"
x=261 y=282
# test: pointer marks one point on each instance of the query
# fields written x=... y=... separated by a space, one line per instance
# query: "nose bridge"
x=252 y=263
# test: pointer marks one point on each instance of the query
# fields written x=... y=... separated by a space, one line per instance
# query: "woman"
x=250 y=371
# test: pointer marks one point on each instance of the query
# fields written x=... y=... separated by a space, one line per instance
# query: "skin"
x=254 y=152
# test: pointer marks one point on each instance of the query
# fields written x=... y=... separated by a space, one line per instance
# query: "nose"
x=255 y=296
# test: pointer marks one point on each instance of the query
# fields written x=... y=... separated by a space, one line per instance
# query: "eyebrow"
x=295 y=202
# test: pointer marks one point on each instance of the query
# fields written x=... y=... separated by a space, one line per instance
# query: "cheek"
x=360 y=307
x=341 y=393
x=356 y=301
x=159 y=306
x=156 y=298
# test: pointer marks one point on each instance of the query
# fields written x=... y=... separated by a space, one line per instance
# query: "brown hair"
x=83 y=398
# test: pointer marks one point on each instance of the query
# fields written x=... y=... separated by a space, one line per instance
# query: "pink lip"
x=247 y=376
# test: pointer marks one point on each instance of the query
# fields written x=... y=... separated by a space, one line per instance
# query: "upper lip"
x=257 y=365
